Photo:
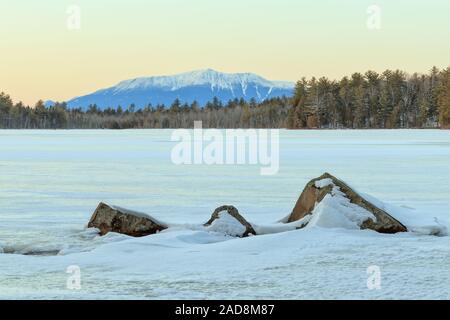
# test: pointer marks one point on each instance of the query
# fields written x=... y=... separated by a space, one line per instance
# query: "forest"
x=370 y=100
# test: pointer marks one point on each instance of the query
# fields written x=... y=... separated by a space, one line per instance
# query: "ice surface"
x=336 y=211
x=323 y=183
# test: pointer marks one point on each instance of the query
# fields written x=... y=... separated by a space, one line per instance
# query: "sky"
x=47 y=53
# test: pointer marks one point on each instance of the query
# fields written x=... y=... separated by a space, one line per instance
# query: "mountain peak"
x=199 y=85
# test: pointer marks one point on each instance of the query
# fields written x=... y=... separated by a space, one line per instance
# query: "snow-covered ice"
x=52 y=181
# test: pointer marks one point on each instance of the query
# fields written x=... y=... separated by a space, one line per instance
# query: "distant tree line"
x=234 y=114
x=391 y=99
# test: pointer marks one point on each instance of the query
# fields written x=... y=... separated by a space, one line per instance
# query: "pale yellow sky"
x=279 y=39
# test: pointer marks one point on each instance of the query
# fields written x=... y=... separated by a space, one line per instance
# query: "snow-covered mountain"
x=201 y=86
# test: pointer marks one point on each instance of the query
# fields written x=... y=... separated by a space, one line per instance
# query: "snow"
x=417 y=221
x=323 y=183
x=336 y=211
x=421 y=222
x=227 y=224
x=52 y=181
x=281 y=226
x=301 y=264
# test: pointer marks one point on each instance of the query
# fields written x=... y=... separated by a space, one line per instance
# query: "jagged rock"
x=315 y=191
x=227 y=219
x=114 y=219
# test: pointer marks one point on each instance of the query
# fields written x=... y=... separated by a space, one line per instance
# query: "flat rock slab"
x=315 y=191
x=115 y=219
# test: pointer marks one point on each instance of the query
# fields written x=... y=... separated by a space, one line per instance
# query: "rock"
x=317 y=189
x=227 y=219
x=114 y=219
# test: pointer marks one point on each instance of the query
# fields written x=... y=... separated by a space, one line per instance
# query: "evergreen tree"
x=444 y=99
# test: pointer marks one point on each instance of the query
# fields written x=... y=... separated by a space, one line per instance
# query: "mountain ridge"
x=199 y=85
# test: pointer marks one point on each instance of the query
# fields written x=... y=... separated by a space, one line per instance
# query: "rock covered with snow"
x=108 y=218
x=328 y=202
x=200 y=86
x=227 y=220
